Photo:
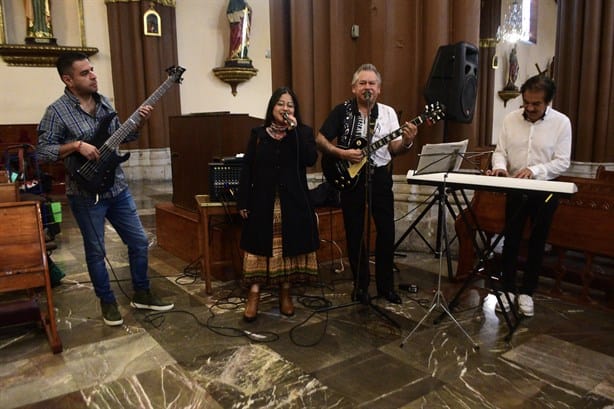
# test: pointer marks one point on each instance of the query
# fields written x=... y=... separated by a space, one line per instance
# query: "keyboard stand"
x=484 y=254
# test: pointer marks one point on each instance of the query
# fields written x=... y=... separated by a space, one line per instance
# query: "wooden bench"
x=9 y=192
x=582 y=223
x=24 y=269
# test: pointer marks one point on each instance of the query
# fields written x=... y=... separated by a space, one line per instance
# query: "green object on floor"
x=56 y=211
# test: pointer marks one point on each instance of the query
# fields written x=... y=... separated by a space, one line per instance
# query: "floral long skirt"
x=277 y=268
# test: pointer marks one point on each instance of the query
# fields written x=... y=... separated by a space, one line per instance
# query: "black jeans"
x=539 y=208
x=353 y=204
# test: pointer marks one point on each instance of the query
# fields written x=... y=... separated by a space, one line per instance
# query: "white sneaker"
x=506 y=304
x=525 y=305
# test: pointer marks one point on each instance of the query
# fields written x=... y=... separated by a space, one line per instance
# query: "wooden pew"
x=9 y=192
x=24 y=268
x=582 y=223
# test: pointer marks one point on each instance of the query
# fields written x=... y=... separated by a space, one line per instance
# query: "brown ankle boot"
x=251 y=307
x=285 y=300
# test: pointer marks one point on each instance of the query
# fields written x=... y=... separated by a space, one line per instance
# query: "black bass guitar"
x=98 y=176
x=343 y=175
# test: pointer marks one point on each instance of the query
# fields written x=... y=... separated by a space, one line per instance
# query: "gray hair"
x=366 y=67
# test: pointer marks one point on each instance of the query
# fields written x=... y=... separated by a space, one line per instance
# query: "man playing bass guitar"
x=346 y=122
x=69 y=127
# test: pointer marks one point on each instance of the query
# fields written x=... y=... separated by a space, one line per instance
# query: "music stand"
x=437 y=158
x=447 y=158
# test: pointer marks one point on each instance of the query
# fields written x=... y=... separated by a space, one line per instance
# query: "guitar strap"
x=352 y=123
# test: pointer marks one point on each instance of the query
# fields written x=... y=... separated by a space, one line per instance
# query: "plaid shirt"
x=64 y=122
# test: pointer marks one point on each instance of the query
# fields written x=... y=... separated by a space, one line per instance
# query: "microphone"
x=367 y=95
x=291 y=124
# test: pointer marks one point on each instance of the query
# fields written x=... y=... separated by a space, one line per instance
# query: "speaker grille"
x=454 y=80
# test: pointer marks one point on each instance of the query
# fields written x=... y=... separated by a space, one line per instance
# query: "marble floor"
x=331 y=354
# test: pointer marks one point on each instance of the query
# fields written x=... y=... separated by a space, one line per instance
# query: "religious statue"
x=38 y=22
x=513 y=71
x=239 y=15
x=237 y=67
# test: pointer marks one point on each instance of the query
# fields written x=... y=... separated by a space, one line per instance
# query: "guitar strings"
x=89 y=168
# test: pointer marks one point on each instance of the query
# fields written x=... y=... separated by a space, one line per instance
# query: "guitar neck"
x=132 y=123
x=419 y=120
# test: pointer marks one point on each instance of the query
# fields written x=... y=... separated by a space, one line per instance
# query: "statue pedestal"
x=41 y=41
x=233 y=73
x=507 y=94
x=37 y=55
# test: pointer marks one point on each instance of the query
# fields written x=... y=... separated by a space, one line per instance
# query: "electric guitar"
x=98 y=176
x=343 y=175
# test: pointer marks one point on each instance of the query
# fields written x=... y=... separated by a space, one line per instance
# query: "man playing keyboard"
x=534 y=143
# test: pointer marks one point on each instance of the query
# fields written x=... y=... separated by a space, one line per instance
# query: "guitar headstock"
x=434 y=112
x=175 y=72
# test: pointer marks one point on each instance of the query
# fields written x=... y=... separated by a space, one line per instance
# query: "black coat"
x=272 y=166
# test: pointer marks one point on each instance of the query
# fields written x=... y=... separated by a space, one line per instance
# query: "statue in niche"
x=38 y=22
x=239 y=15
x=512 y=71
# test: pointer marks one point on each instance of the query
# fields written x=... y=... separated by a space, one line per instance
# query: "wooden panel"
x=584 y=222
x=20 y=247
x=198 y=139
x=177 y=231
x=333 y=244
x=9 y=192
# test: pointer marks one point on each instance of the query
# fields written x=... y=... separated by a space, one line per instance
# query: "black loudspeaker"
x=454 y=80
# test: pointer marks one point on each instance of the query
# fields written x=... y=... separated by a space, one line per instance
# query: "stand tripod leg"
x=437 y=299
x=437 y=303
x=433 y=305
x=373 y=307
x=446 y=311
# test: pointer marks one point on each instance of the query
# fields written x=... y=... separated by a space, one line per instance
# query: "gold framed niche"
x=152 y=23
x=40 y=55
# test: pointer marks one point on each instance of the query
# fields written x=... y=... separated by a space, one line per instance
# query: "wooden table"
x=332 y=235
x=207 y=211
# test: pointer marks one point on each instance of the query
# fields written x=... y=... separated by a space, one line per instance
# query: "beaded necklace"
x=277 y=132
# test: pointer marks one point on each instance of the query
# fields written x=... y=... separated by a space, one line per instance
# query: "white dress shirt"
x=543 y=146
x=386 y=123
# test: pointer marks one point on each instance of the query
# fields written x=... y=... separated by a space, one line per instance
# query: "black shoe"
x=358 y=294
x=110 y=314
x=146 y=300
x=392 y=297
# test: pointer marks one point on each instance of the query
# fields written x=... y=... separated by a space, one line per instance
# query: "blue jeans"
x=120 y=211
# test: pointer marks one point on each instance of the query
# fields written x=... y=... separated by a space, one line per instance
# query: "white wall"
x=202 y=41
x=528 y=55
x=203 y=45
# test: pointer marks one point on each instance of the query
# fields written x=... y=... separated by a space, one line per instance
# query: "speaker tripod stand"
x=439 y=300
